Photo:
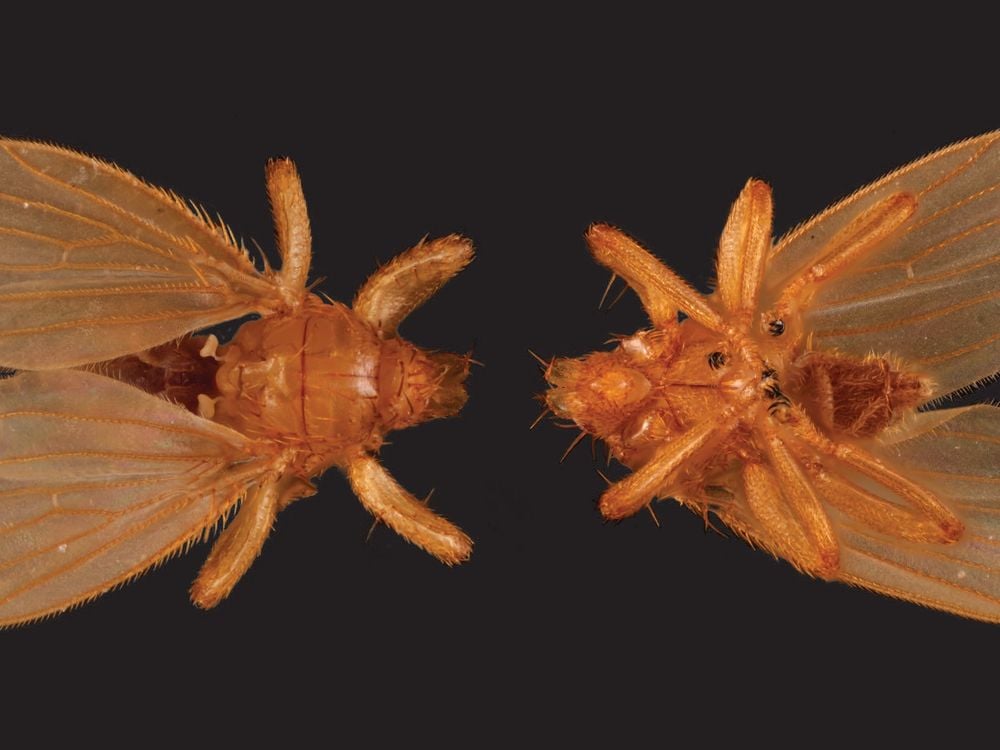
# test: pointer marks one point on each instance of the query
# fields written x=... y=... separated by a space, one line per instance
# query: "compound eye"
x=776 y=327
x=716 y=360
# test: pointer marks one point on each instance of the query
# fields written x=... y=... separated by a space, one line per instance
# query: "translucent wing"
x=956 y=454
x=930 y=293
x=99 y=481
x=953 y=453
x=95 y=264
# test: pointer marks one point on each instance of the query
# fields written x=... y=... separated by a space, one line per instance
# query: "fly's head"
x=614 y=395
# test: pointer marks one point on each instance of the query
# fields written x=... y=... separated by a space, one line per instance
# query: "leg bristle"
x=576 y=442
x=540 y=417
x=607 y=289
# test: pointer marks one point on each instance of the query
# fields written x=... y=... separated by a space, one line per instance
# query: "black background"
x=517 y=132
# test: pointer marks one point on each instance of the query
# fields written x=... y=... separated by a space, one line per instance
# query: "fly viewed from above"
x=123 y=440
x=787 y=402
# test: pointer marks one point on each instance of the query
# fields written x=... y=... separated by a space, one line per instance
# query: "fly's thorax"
x=414 y=385
x=309 y=378
x=713 y=371
x=658 y=384
x=780 y=328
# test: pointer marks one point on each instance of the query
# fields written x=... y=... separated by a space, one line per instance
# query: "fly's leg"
x=785 y=536
x=925 y=502
x=291 y=227
x=743 y=249
x=800 y=496
x=646 y=483
x=240 y=543
x=402 y=285
x=237 y=546
x=860 y=236
x=661 y=291
x=873 y=511
x=404 y=514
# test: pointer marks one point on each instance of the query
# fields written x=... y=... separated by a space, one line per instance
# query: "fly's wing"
x=954 y=453
x=951 y=452
x=930 y=292
x=96 y=264
x=99 y=481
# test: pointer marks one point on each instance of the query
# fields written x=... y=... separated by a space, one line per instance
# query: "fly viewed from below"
x=786 y=403
x=122 y=440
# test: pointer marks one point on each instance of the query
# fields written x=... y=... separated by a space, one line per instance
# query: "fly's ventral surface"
x=787 y=403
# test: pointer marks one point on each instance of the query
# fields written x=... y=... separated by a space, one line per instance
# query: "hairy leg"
x=401 y=286
x=291 y=226
x=662 y=291
x=801 y=496
x=857 y=238
x=785 y=534
x=924 y=501
x=404 y=514
x=875 y=512
x=643 y=485
x=743 y=249
x=238 y=545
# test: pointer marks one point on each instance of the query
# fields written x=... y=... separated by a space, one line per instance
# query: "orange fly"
x=122 y=441
x=787 y=403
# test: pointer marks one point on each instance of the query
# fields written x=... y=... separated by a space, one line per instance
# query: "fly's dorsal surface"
x=123 y=439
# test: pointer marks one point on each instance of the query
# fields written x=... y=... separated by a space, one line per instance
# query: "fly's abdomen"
x=176 y=371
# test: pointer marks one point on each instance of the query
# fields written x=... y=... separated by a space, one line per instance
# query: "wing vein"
x=951 y=475
x=972 y=506
x=928 y=251
x=976 y=156
x=952 y=206
x=32 y=457
x=7 y=564
x=939 y=358
x=103 y=420
x=56 y=512
x=108 y=320
x=104 y=202
x=126 y=534
x=64 y=266
x=25 y=234
x=929 y=551
x=919 y=318
x=56 y=489
x=113 y=291
x=920 y=574
x=975 y=436
x=985 y=539
x=113 y=233
x=788 y=239
x=874 y=294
